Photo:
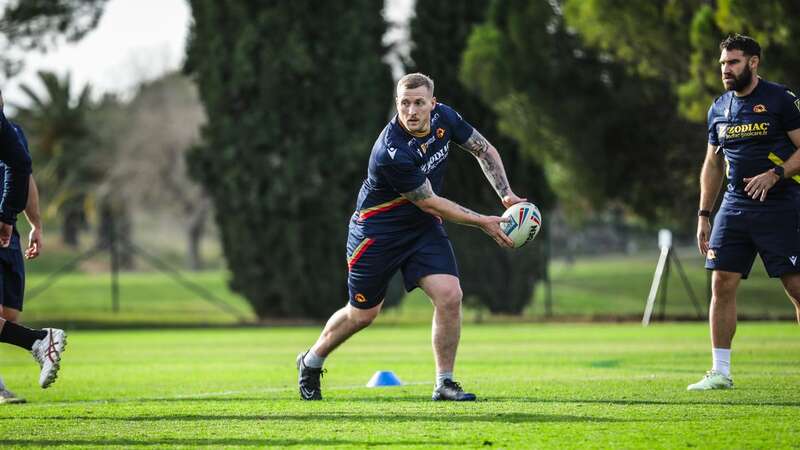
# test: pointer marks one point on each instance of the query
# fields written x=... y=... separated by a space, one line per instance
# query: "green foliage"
x=40 y=24
x=64 y=151
x=500 y=280
x=561 y=386
x=600 y=129
x=657 y=39
x=295 y=101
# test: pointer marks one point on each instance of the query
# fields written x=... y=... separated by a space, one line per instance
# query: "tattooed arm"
x=492 y=166
x=425 y=199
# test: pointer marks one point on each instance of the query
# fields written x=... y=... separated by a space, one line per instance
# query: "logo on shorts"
x=360 y=298
x=711 y=255
x=439 y=133
x=793 y=259
x=759 y=108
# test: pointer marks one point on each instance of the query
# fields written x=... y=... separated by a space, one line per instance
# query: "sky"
x=135 y=41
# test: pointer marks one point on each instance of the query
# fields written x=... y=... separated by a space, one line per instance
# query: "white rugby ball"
x=524 y=223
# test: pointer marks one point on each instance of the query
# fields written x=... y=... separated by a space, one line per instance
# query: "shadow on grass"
x=626 y=402
x=266 y=442
x=338 y=417
x=332 y=401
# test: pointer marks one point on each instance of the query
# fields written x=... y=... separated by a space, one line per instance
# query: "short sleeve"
x=460 y=128
x=790 y=111
x=713 y=138
x=22 y=138
x=403 y=175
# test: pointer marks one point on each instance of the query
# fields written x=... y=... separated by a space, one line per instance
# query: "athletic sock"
x=20 y=336
x=441 y=376
x=722 y=360
x=312 y=360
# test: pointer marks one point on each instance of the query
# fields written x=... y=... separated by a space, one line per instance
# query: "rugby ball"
x=524 y=223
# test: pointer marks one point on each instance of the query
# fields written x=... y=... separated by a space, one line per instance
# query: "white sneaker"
x=712 y=380
x=47 y=352
x=7 y=397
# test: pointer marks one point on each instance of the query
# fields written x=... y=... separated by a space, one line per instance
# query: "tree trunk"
x=71 y=228
x=194 y=233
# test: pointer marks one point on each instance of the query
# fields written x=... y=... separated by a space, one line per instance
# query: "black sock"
x=20 y=336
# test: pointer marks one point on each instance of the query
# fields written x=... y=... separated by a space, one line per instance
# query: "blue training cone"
x=384 y=378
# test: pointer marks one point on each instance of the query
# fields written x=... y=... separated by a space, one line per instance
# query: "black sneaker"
x=450 y=390
x=308 y=379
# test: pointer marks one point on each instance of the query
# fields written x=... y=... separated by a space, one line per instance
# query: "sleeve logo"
x=759 y=108
x=439 y=133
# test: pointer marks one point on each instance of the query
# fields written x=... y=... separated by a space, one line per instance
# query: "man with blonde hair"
x=397 y=225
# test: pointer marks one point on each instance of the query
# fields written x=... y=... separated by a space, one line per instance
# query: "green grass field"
x=611 y=287
x=539 y=385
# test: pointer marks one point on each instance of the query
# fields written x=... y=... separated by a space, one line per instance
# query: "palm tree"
x=62 y=150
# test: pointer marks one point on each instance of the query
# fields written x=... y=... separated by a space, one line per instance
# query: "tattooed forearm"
x=495 y=172
x=489 y=160
x=420 y=193
x=476 y=144
x=468 y=211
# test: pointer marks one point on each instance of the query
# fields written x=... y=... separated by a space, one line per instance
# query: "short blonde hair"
x=415 y=80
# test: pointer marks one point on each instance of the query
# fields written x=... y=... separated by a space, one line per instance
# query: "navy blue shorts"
x=12 y=278
x=738 y=235
x=373 y=260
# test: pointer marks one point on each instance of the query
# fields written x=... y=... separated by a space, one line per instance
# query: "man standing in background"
x=756 y=124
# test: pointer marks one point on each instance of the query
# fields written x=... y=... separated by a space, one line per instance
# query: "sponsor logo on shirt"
x=435 y=160
x=759 y=108
x=747 y=130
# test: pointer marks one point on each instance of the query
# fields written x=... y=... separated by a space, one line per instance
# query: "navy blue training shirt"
x=17 y=163
x=14 y=244
x=400 y=162
x=751 y=131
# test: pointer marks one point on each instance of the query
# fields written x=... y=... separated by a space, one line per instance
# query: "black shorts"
x=738 y=235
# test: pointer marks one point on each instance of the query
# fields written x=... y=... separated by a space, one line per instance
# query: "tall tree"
x=62 y=149
x=296 y=94
x=151 y=136
x=603 y=133
x=40 y=24
x=501 y=280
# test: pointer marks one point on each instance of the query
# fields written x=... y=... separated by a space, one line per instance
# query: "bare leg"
x=722 y=312
x=791 y=283
x=343 y=324
x=445 y=294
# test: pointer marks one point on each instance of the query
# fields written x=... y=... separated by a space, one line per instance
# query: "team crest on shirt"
x=424 y=145
x=439 y=133
x=711 y=255
x=759 y=108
